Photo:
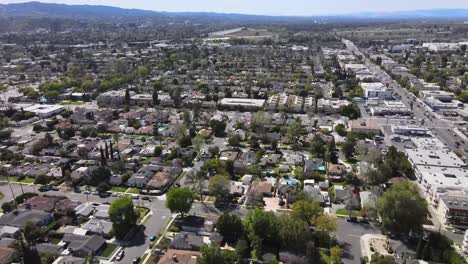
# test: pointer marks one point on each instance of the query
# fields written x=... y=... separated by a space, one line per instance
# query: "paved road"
x=349 y=238
x=441 y=128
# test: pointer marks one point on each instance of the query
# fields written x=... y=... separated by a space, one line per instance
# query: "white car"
x=135 y=196
x=120 y=255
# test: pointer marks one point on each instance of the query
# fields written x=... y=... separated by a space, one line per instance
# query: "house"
x=174 y=256
x=313 y=165
x=9 y=231
x=187 y=241
x=43 y=203
x=160 y=181
x=102 y=211
x=49 y=248
x=336 y=171
x=8 y=255
x=84 y=210
x=313 y=193
x=70 y=260
x=237 y=188
x=19 y=218
x=98 y=227
x=84 y=246
x=341 y=194
x=264 y=188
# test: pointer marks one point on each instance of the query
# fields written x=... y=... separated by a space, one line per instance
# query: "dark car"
x=45 y=188
x=136 y=260
x=352 y=219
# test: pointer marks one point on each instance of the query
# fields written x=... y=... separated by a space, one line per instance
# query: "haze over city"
x=273 y=7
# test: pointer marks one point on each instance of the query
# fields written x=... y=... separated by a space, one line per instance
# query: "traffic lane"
x=141 y=240
x=349 y=237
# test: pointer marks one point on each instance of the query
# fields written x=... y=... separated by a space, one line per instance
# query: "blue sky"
x=273 y=7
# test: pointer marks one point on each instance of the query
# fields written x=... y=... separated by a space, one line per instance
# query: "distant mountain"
x=415 y=14
x=38 y=9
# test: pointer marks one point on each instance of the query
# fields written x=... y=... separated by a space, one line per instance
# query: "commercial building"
x=44 y=111
x=410 y=130
x=454 y=210
x=365 y=125
x=242 y=104
x=111 y=98
x=376 y=90
x=331 y=106
x=443 y=96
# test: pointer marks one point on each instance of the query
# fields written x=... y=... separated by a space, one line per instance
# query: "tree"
x=294 y=131
x=100 y=174
x=262 y=230
x=123 y=216
x=219 y=186
x=335 y=255
x=341 y=130
x=234 y=140
x=179 y=200
x=382 y=259
x=294 y=233
x=402 y=201
x=326 y=223
x=127 y=97
x=31 y=233
x=348 y=148
x=230 y=227
x=155 y=97
x=218 y=127
x=214 y=151
x=313 y=253
x=352 y=111
x=306 y=211
x=213 y=254
x=242 y=249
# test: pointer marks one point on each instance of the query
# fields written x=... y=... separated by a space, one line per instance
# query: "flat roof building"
x=242 y=103
x=44 y=111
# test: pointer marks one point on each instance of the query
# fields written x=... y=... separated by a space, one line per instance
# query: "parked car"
x=120 y=255
x=152 y=238
x=45 y=188
x=352 y=219
x=136 y=260
x=135 y=196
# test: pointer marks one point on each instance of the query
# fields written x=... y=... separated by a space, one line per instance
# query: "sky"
x=272 y=7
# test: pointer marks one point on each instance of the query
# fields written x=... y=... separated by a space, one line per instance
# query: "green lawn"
x=65 y=102
x=27 y=180
x=343 y=211
x=118 y=189
x=133 y=190
x=110 y=248
x=142 y=212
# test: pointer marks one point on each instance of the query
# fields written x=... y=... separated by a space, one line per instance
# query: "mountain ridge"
x=40 y=9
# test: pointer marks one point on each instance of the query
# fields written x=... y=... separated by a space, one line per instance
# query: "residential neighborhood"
x=133 y=136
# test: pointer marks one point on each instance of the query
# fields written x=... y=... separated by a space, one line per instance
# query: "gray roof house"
x=187 y=241
x=83 y=246
x=19 y=218
x=97 y=226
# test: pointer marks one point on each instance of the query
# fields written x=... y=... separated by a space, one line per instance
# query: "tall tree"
x=122 y=215
x=230 y=227
x=179 y=200
x=402 y=201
